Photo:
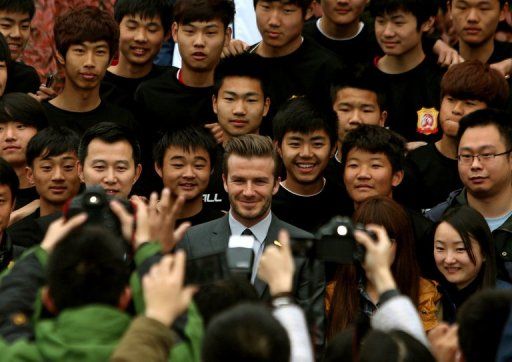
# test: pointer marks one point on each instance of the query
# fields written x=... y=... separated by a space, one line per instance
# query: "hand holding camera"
x=378 y=257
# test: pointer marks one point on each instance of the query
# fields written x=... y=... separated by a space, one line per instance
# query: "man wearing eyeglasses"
x=485 y=168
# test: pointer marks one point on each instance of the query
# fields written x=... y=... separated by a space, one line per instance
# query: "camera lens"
x=342 y=230
x=93 y=200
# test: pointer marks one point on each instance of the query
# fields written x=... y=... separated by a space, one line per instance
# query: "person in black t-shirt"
x=52 y=158
x=240 y=102
x=306 y=141
x=374 y=159
x=21 y=117
x=86 y=41
x=341 y=30
x=143 y=27
x=184 y=160
x=293 y=65
x=410 y=80
x=476 y=24
x=181 y=97
x=465 y=88
x=15 y=17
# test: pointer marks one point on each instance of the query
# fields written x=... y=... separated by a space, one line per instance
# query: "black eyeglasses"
x=467 y=158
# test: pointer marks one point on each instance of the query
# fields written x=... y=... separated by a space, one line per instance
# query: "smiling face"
x=280 y=24
x=200 y=43
x=452 y=258
x=14 y=137
x=453 y=109
x=185 y=172
x=15 y=27
x=369 y=174
x=250 y=184
x=485 y=178
x=86 y=64
x=475 y=21
x=240 y=105
x=305 y=157
x=140 y=39
x=55 y=178
x=397 y=33
x=110 y=165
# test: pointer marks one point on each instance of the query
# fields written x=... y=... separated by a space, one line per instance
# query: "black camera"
x=96 y=203
x=334 y=242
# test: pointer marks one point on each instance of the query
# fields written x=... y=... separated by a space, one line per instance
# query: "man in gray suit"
x=250 y=176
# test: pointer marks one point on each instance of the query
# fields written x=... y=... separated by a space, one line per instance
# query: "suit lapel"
x=221 y=234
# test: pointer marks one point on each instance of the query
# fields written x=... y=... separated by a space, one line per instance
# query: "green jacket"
x=92 y=332
x=83 y=334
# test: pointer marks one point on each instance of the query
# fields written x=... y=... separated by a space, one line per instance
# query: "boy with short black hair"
x=184 y=159
x=52 y=157
x=15 y=18
x=183 y=96
x=21 y=117
x=240 y=98
x=465 y=88
x=409 y=79
x=241 y=103
x=143 y=27
x=306 y=141
x=86 y=40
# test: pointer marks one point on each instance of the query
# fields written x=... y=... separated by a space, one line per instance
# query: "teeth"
x=305 y=165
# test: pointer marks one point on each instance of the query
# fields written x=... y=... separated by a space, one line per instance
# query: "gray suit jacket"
x=309 y=279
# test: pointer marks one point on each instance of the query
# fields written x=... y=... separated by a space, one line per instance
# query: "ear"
x=333 y=149
x=138 y=171
x=266 y=106
x=47 y=300
x=276 y=185
x=427 y=25
x=214 y=104
x=30 y=175
x=80 y=172
x=225 y=182
x=277 y=146
x=125 y=298
x=504 y=11
x=158 y=170
x=227 y=36
x=397 y=178
x=174 y=31
x=60 y=59
x=383 y=118
x=309 y=13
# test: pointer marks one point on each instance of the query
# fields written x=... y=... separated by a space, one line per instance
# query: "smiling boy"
x=409 y=80
x=143 y=27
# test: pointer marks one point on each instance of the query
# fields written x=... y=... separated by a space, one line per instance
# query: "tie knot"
x=247 y=232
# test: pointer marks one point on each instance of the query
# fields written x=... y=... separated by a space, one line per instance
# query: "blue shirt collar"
x=260 y=230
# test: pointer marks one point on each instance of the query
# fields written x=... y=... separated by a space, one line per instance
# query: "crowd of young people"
x=357 y=109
